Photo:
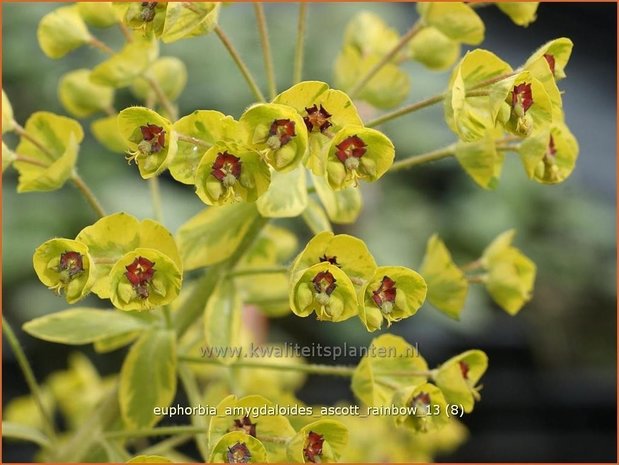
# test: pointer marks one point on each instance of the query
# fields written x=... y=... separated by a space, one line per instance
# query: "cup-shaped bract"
x=321 y=441
x=170 y=74
x=62 y=31
x=358 y=153
x=253 y=417
x=426 y=408
x=447 y=285
x=65 y=266
x=98 y=14
x=324 y=111
x=238 y=447
x=458 y=378
x=81 y=97
x=549 y=156
x=456 y=20
x=557 y=53
x=348 y=253
x=434 y=49
x=151 y=139
x=326 y=290
x=511 y=274
x=52 y=160
x=278 y=132
x=144 y=279
x=185 y=20
x=481 y=161
x=230 y=173
x=393 y=294
x=201 y=130
x=521 y=13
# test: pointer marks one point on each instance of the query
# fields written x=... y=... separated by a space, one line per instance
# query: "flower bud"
x=238 y=447
x=427 y=408
x=322 y=441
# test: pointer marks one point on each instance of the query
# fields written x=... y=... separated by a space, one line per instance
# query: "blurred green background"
x=550 y=390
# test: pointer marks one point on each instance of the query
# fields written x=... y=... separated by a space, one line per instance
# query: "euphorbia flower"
x=358 y=153
x=231 y=173
x=427 y=407
x=393 y=293
x=150 y=138
x=522 y=98
x=549 y=157
x=238 y=453
x=140 y=273
x=144 y=279
x=341 y=251
x=278 y=132
x=557 y=53
x=324 y=289
x=227 y=168
x=324 y=112
x=317 y=119
x=312 y=452
x=65 y=266
x=458 y=378
x=245 y=425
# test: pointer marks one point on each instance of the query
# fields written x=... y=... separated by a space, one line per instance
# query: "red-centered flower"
x=313 y=447
x=283 y=129
x=245 y=425
x=238 y=453
x=464 y=369
x=522 y=96
x=551 y=61
x=351 y=147
x=423 y=398
x=324 y=282
x=552 y=150
x=139 y=274
x=155 y=135
x=317 y=119
x=71 y=262
x=385 y=293
x=331 y=260
x=227 y=168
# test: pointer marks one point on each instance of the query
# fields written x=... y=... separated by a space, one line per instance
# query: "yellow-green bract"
x=458 y=378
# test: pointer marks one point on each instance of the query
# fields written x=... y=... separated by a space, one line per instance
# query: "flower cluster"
x=336 y=278
x=134 y=264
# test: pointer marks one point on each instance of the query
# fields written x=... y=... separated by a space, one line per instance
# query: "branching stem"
x=266 y=49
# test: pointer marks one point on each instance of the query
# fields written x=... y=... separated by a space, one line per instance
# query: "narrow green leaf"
x=148 y=378
x=82 y=325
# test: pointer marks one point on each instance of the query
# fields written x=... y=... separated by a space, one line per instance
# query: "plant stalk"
x=300 y=44
x=406 y=110
x=88 y=194
x=266 y=49
x=438 y=154
x=251 y=82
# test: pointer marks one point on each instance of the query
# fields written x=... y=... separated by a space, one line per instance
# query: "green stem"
x=472 y=266
x=251 y=82
x=31 y=161
x=493 y=80
x=162 y=98
x=406 y=110
x=300 y=44
x=88 y=195
x=438 y=154
x=405 y=39
x=31 y=380
x=190 y=385
x=266 y=49
x=315 y=369
x=155 y=195
x=254 y=271
x=167 y=444
x=96 y=43
x=161 y=431
x=194 y=307
x=21 y=132
x=477 y=279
